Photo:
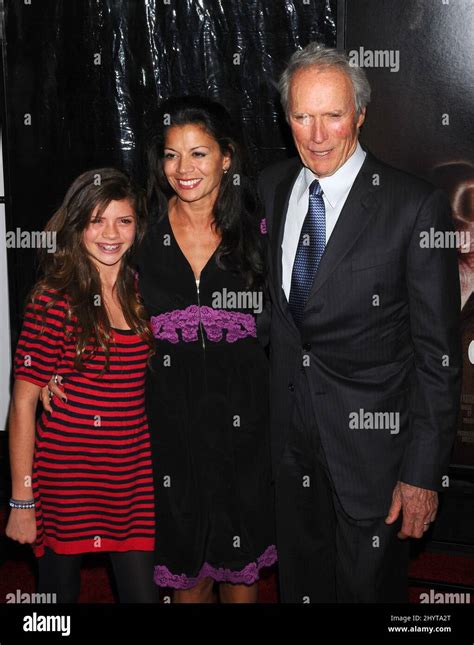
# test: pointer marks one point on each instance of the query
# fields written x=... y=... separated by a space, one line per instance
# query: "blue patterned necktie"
x=310 y=249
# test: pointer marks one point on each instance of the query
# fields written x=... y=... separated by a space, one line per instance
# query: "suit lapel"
x=280 y=207
x=360 y=205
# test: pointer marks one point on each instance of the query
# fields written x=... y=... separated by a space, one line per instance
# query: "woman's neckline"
x=181 y=252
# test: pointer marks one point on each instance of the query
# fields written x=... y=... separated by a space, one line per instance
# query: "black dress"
x=208 y=412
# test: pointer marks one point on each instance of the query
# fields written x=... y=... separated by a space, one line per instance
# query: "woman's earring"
x=225 y=172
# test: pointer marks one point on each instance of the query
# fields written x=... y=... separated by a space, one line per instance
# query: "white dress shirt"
x=335 y=191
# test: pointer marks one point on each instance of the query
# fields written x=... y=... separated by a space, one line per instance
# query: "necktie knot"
x=315 y=189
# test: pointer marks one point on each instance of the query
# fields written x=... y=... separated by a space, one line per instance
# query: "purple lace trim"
x=247 y=576
x=215 y=322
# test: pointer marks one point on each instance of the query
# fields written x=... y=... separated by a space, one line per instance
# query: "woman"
x=90 y=466
x=201 y=278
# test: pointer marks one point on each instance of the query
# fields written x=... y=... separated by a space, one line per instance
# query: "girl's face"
x=109 y=235
x=193 y=163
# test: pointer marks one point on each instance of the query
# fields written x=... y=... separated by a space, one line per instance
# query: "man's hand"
x=418 y=506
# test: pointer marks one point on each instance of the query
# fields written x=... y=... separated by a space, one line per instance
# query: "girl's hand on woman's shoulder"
x=52 y=389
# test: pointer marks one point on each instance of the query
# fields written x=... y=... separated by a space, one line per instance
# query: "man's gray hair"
x=316 y=55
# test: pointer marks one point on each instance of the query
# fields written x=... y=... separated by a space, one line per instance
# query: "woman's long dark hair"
x=69 y=272
x=235 y=211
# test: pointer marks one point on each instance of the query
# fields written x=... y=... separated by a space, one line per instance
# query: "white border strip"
x=5 y=337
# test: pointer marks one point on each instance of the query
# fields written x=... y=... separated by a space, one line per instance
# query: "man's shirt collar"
x=336 y=186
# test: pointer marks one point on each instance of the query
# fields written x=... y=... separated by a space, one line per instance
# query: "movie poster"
x=417 y=56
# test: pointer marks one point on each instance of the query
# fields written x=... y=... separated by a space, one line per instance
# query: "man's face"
x=322 y=118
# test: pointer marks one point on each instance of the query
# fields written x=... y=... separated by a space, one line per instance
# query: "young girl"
x=85 y=484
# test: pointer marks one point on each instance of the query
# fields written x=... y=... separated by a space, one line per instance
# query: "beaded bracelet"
x=22 y=503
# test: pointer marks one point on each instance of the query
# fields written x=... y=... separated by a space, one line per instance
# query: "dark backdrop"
x=91 y=74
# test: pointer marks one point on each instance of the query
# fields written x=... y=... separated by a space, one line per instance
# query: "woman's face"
x=193 y=163
x=109 y=235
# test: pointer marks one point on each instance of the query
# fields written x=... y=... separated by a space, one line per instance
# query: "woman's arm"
x=21 y=522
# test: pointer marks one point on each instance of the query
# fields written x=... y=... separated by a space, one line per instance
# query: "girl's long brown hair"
x=70 y=274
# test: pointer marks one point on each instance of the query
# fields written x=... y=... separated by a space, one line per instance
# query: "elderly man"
x=365 y=346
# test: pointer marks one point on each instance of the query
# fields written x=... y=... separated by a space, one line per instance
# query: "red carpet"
x=17 y=572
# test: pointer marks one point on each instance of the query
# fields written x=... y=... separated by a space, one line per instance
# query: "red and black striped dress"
x=92 y=470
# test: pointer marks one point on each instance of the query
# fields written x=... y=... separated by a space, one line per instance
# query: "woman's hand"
x=50 y=390
x=21 y=525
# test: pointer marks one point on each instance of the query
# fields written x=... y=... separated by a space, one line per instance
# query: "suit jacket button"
x=291 y=387
x=307 y=347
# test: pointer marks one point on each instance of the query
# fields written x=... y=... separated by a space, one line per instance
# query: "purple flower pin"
x=263 y=226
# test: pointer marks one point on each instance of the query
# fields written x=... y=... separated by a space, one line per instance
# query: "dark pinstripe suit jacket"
x=379 y=335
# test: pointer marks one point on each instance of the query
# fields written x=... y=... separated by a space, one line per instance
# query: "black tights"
x=61 y=574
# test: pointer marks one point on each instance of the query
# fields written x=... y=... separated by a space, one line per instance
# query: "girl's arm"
x=21 y=524
x=38 y=353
